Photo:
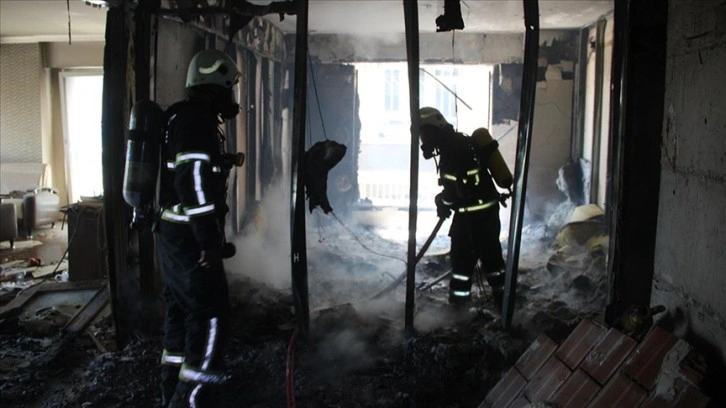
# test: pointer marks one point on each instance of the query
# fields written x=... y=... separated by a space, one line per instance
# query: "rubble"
x=357 y=354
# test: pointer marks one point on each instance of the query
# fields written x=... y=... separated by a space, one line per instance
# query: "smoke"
x=342 y=351
x=263 y=247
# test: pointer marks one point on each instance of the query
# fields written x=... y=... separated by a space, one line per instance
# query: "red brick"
x=547 y=380
x=620 y=392
x=520 y=402
x=607 y=355
x=505 y=391
x=644 y=363
x=577 y=391
x=538 y=352
x=579 y=343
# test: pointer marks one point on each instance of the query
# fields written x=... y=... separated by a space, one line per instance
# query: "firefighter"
x=468 y=169
x=190 y=230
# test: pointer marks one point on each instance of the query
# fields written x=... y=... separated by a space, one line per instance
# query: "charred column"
x=639 y=60
x=115 y=107
x=410 y=12
x=299 y=246
x=526 y=115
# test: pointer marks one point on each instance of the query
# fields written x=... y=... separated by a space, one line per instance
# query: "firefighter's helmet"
x=432 y=116
x=212 y=67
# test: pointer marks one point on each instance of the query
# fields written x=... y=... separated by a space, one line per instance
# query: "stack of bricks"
x=597 y=367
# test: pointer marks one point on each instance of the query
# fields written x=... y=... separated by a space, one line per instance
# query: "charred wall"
x=689 y=259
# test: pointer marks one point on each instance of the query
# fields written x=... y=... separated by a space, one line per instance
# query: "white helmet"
x=212 y=67
x=432 y=116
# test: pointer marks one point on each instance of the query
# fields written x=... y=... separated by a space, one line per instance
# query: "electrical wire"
x=68 y=8
x=317 y=98
x=453 y=61
x=446 y=87
x=364 y=245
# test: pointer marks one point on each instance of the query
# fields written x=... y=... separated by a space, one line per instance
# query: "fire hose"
x=290 y=366
x=290 y=371
x=420 y=255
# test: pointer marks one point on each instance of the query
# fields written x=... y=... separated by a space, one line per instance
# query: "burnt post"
x=524 y=142
x=299 y=245
x=114 y=113
x=410 y=13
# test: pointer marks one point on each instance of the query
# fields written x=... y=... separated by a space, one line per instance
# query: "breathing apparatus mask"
x=432 y=127
x=429 y=150
x=228 y=103
x=429 y=141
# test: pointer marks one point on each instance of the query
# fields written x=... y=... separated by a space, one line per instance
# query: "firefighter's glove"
x=443 y=211
x=503 y=198
x=211 y=257
x=228 y=250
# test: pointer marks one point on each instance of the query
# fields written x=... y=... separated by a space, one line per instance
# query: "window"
x=82 y=93
x=445 y=99
x=391 y=93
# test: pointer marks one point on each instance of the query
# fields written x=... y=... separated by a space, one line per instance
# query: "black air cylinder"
x=142 y=156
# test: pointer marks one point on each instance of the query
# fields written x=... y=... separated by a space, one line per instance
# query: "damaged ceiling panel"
x=386 y=16
x=48 y=19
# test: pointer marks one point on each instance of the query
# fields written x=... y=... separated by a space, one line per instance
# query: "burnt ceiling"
x=47 y=20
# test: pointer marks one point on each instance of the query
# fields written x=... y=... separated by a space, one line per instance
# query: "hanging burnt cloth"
x=319 y=159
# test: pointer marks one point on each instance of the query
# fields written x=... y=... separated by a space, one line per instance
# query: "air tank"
x=495 y=162
x=142 y=158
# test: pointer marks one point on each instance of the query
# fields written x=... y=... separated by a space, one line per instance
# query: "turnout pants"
x=475 y=244
x=196 y=319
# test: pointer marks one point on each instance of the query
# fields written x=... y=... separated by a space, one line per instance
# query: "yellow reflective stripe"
x=460 y=277
x=190 y=374
x=472 y=172
x=171 y=358
x=191 y=156
x=201 y=197
x=209 y=350
x=169 y=215
x=201 y=210
x=478 y=206
x=170 y=165
x=448 y=176
x=461 y=293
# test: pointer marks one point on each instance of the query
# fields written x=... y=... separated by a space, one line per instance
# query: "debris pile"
x=357 y=353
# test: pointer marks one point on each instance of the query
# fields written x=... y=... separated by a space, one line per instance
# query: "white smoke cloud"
x=263 y=248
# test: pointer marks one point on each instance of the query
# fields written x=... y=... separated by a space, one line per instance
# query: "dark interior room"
x=362 y=203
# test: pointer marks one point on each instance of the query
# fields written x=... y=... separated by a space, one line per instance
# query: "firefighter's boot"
x=182 y=393
x=169 y=379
